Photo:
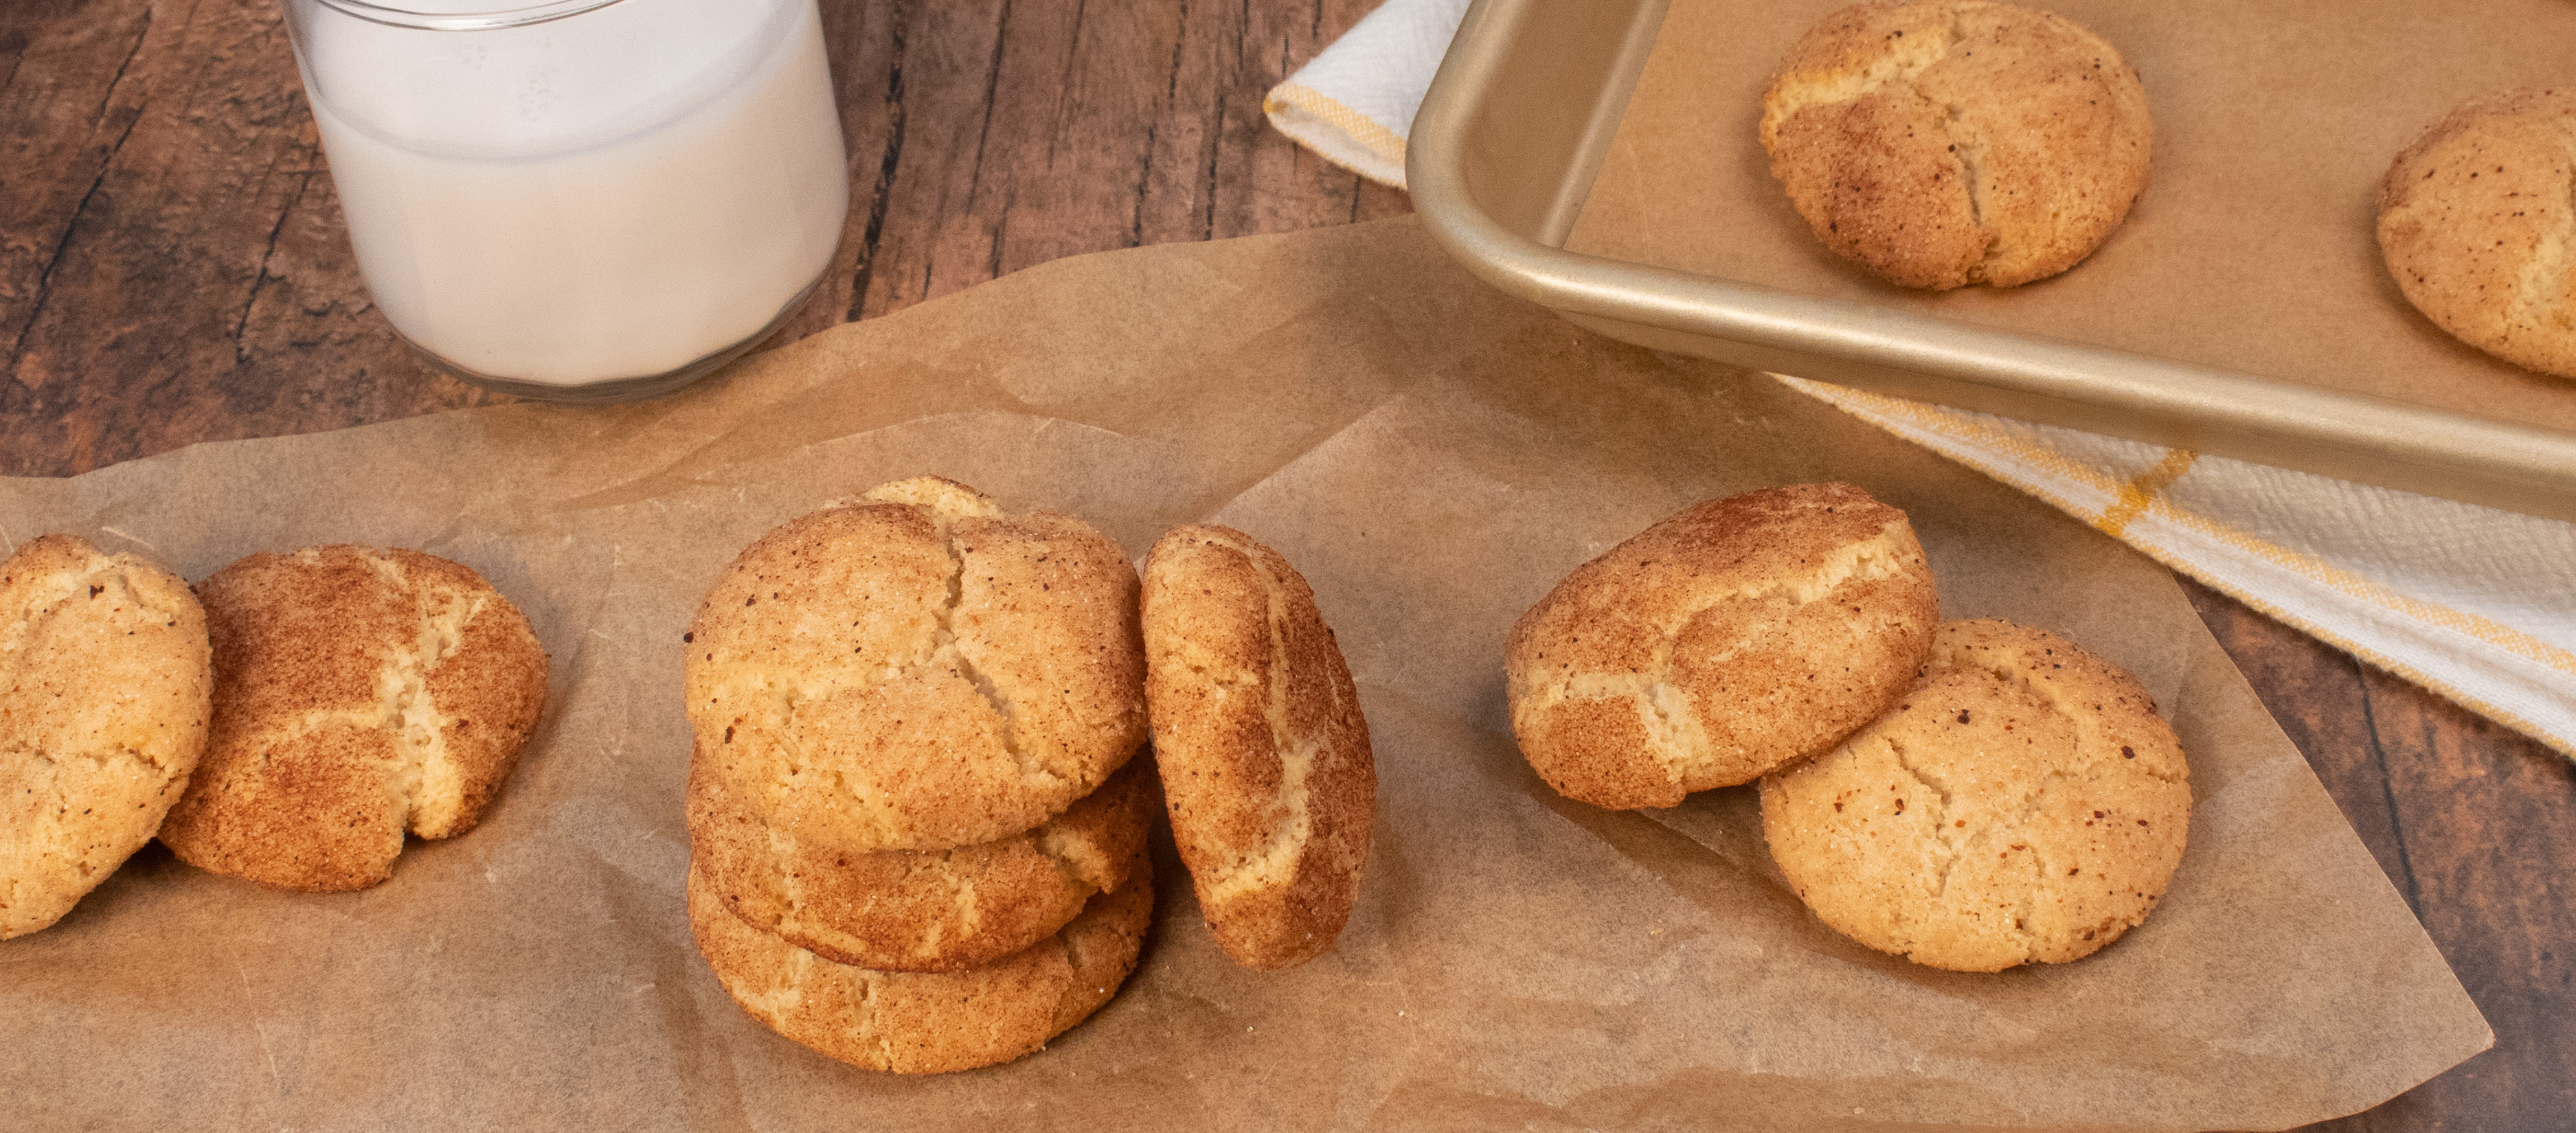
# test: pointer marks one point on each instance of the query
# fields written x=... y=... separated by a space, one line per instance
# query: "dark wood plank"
x=173 y=269
x=198 y=285
x=1020 y=132
x=2477 y=826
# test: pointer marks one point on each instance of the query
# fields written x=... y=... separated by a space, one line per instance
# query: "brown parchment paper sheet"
x=2255 y=247
x=1433 y=456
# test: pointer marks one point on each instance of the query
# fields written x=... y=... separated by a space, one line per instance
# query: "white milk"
x=613 y=195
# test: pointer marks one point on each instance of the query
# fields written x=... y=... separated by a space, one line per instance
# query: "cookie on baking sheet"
x=919 y=911
x=2477 y=220
x=1264 y=755
x=918 y=670
x=104 y=687
x=929 y=1022
x=1941 y=143
x=359 y=693
x=2023 y=802
x=1734 y=638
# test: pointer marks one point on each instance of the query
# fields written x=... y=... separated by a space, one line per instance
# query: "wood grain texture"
x=181 y=272
x=173 y=269
x=2476 y=824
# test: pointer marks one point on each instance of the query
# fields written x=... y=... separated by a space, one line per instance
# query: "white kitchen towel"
x=2474 y=603
x=1354 y=103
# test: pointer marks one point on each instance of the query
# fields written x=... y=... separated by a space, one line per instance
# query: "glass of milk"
x=579 y=200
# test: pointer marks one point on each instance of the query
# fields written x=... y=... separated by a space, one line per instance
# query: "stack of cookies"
x=917 y=818
x=917 y=830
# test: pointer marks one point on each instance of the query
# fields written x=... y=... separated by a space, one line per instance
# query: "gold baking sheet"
x=2254 y=247
x=2240 y=313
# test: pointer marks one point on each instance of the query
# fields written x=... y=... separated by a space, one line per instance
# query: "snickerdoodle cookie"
x=1730 y=640
x=104 y=686
x=2023 y=802
x=929 y=1022
x=1264 y=754
x=359 y=694
x=918 y=670
x=1940 y=143
x=2477 y=221
x=918 y=911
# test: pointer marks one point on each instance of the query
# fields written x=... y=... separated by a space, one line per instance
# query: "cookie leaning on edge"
x=104 y=696
x=1948 y=142
x=2477 y=220
x=918 y=911
x=918 y=671
x=1732 y=639
x=1264 y=754
x=929 y=1022
x=359 y=694
x=2024 y=802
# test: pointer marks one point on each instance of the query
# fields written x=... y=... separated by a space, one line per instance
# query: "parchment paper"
x=2255 y=247
x=1433 y=456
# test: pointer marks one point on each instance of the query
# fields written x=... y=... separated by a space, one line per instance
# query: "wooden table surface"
x=173 y=269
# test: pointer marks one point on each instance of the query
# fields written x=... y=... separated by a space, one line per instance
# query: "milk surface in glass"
x=612 y=195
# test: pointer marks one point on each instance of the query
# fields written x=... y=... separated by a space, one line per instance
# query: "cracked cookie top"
x=104 y=687
x=359 y=694
x=1734 y=638
x=1947 y=142
x=1265 y=757
x=918 y=670
x=2477 y=220
x=2022 y=802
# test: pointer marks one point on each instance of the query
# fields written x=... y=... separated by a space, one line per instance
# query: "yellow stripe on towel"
x=2142 y=490
x=1381 y=141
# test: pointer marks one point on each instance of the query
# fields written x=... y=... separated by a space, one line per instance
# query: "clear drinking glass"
x=579 y=200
